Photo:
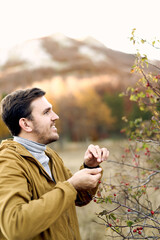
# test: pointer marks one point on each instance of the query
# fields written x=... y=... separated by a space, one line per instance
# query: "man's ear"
x=25 y=124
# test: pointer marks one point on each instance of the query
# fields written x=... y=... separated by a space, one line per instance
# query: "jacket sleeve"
x=21 y=217
x=84 y=197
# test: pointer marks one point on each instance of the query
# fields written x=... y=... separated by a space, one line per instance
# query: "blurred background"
x=80 y=53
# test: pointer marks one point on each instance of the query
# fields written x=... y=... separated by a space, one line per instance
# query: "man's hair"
x=17 y=105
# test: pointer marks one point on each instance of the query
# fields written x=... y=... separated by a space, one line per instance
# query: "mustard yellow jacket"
x=32 y=205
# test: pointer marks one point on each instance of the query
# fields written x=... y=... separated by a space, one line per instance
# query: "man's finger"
x=104 y=154
x=95 y=151
x=99 y=153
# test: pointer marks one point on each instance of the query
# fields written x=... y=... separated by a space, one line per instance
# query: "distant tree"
x=84 y=115
x=68 y=113
x=116 y=104
x=4 y=132
x=96 y=117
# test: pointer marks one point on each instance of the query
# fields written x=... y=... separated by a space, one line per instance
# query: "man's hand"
x=95 y=155
x=85 y=179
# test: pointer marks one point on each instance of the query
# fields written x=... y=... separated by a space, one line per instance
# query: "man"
x=38 y=193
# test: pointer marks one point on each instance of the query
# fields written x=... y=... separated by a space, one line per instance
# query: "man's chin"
x=53 y=139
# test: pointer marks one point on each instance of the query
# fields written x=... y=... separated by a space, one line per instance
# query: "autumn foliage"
x=83 y=115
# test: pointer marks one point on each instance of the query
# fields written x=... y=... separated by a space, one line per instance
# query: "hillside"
x=65 y=64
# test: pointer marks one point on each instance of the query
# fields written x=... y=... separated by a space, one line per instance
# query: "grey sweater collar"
x=30 y=145
x=37 y=150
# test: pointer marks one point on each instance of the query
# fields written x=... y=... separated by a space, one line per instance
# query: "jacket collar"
x=19 y=148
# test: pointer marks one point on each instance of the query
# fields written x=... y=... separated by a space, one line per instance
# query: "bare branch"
x=129 y=165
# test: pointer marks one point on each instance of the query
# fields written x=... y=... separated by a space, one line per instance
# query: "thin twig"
x=129 y=165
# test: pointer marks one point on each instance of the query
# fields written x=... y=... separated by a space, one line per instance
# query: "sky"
x=109 y=21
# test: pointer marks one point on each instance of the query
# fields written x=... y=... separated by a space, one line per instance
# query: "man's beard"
x=42 y=137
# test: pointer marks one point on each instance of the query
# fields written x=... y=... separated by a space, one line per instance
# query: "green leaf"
x=134 y=196
x=138 y=120
x=100 y=201
x=117 y=229
x=112 y=216
x=141 y=108
x=121 y=94
x=103 y=213
x=145 y=145
x=141 y=95
x=133 y=98
x=107 y=199
x=129 y=223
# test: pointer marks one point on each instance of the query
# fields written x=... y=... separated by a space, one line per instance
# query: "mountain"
x=65 y=61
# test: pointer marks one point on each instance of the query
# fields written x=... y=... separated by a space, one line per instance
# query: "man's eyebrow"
x=47 y=109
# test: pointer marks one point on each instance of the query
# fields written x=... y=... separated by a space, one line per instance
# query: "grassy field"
x=72 y=155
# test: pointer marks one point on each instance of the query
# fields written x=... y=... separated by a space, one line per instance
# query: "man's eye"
x=46 y=112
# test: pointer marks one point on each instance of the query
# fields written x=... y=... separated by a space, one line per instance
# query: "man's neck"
x=27 y=136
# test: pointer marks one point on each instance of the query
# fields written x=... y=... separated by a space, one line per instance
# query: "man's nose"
x=54 y=116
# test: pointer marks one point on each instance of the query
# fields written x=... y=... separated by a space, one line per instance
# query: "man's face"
x=43 y=121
